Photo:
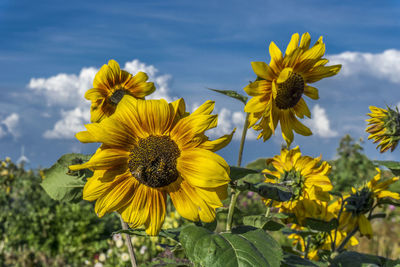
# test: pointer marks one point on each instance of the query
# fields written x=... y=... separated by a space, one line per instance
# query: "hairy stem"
x=234 y=192
x=128 y=243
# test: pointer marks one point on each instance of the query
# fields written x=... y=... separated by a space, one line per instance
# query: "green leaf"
x=260 y=221
x=355 y=259
x=238 y=172
x=291 y=260
x=244 y=246
x=393 y=166
x=232 y=94
x=320 y=225
x=62 y=184
x=271 y=191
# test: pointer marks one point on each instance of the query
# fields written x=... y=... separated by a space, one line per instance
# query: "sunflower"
x=277 y=92
x=384 y=127
x=109 y=87
x=306 y=177
x=361 y=201
x=151 y=149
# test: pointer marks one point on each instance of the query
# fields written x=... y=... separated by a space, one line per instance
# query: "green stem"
x=128 y=243
x=336 y=230
x=244 y=132
x=343 y=244
x=234 y=192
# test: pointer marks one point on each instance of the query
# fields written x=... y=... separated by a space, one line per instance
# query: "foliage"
x=352 y=167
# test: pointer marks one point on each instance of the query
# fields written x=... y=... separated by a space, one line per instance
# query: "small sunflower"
x=384 y=127
x=109 y=87
x=151 y=149
x=306 y=177
x=361 y=201
x=277 y=92
x=320 y=241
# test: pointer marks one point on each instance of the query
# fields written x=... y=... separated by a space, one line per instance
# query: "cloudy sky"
x=50 y=51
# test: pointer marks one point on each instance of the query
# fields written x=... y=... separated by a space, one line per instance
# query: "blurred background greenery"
x=38 y=231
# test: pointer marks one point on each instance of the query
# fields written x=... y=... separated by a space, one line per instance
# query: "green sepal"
x=62 y=184
x=232 y=94
x=243 y=246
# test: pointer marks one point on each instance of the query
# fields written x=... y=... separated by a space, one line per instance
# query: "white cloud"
x=320 y=124
x=66 y=91
x=72 y=122
x=227 y=121
x=385 y=65
x=9 y=125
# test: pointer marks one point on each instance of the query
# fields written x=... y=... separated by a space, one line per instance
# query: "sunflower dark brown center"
x=153 y=161
x=290 y=91
x=117 y=96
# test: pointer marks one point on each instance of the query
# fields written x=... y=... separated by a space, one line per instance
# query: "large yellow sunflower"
x=277 y=92
x=384 y=128
x=151 y=149
x=109 y=87
x=306 y=177
x=360 y=202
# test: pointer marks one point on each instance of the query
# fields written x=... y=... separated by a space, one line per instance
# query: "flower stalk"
x=128 y=243
x=234 y=192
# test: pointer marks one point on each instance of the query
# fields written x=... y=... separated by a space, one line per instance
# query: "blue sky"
x=50 y=49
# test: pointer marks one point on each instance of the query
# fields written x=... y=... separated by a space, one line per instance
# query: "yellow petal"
x=104 y=159
x=157 y=210
x=263 y=70
x=305 y=41
x=293 y=44
x=218 y=143
x=276 y=57
x=120 y=193
x=203 y=168
x=184 y=205
x=205 y=109
x=256 y=104
x=311 y=92
x=136 y=212
x=365 y=226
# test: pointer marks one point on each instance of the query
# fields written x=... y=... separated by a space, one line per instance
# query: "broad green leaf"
x=320 y=225
x=232 y=94
x=291 y=260
x=244 y=246
x=260 y=221
x=238 y=172
x=355 y=259
x=62 y=184
x=393 y=166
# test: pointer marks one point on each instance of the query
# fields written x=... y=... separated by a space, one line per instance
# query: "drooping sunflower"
x=277 y=92
x=306 y=177
x=110 y=85
x=384 y=127
x=151 y=149
x=359 y=203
